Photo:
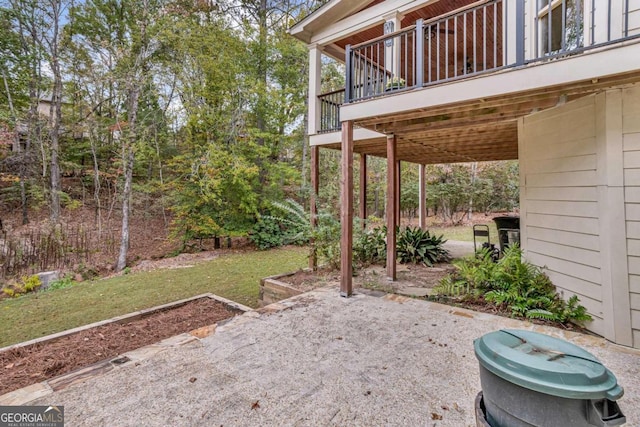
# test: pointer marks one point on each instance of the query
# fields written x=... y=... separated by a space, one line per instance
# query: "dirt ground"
x=373 y=277
x=37 y=362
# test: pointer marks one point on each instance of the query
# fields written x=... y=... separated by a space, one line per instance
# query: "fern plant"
x=512 y=284
x=287 y=224
x=295 y=220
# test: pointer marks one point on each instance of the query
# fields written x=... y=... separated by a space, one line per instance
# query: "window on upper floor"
x=560 y=25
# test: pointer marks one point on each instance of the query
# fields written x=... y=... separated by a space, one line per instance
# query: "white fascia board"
x=300 y=27
x=365 y=19
x=336 y=137
x=338 y=8
x=587 y=66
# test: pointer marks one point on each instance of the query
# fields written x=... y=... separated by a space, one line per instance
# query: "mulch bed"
x=28 y=365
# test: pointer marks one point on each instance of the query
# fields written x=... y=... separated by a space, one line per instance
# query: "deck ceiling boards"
x=433 y=10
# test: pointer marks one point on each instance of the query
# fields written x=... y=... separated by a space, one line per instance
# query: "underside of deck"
x=475 y=130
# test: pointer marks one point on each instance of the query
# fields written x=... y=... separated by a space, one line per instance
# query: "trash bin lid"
x=546 y=364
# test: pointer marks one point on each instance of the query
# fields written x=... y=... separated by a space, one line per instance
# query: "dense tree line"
x=195 y=107
x=192 y=110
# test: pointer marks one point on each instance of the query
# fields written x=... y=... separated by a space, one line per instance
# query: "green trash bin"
x=530 y=379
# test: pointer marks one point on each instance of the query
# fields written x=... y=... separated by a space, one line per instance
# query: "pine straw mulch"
x=28 y=365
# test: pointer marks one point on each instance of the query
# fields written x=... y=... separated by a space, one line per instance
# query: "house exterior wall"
x=559 y=218
x=631 y=156
x=634 y=18
x=580 y=205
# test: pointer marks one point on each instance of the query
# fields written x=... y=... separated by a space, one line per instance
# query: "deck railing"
x=483 y=37
x=330 y=110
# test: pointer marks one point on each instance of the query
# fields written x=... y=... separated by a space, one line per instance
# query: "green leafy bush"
x=65 y=282
x=287 y=224
x=27 y=284
x=267 y=233
x=513 y=284
x=418 y=246
x=370 y=246
x=326 y=240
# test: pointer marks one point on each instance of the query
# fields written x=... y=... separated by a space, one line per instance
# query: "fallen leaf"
x=255 y=405
x=192 y=379
x=9 y=366
x=435 y=416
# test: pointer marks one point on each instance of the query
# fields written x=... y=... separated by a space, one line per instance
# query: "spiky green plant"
x=418 y=246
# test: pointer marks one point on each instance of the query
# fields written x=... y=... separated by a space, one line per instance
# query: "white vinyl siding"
x=559 y=209
x=631 y=147
x=634 y=18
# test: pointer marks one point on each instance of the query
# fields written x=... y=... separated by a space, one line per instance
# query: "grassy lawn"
x=231 y=276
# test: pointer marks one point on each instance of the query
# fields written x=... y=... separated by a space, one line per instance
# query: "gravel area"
x=319 y=359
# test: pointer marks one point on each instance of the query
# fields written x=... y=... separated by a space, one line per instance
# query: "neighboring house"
x=554 y=84
x=44 y=113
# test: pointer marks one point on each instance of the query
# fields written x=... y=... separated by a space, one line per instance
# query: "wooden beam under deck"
x=313 y=205
x=346 y=214
x=391 y=204
x=422 y=197
x=363 y=191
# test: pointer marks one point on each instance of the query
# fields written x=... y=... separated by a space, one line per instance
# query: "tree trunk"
x=17 y=149
x=128 y=158
x=55 y=112
x=96 y=187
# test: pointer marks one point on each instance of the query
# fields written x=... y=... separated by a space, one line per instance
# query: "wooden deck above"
x=480 y=129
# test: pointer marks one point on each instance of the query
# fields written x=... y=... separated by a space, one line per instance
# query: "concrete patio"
x=318 y=359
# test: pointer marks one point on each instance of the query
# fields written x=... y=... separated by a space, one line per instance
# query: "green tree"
x=127 y=32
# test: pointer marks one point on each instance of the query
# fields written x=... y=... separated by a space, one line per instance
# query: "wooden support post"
x=391 y=206
x=313 y=202
x=346 y=218
x=363 y=190
x=398 y=192
x=422 y=197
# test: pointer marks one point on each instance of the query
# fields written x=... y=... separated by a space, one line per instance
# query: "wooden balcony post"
x=348 y=85
x=520 y=32
x=346 y=218
x=419 y=53
x=391 y=207
x=363 y=190
x=422 y=197
x=315 y=65
x=398 y=192
x=392 y=52
x=313 y=205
